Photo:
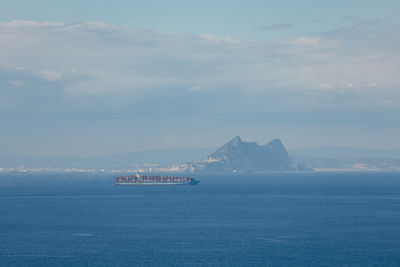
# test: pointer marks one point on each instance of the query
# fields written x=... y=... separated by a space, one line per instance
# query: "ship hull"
x=141 y=180
x=149 y=184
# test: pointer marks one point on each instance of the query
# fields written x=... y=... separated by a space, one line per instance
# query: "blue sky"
x=104 y=77
x=254 y=20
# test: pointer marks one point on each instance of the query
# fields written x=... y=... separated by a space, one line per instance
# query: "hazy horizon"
x=211 y=149
x=99 y=78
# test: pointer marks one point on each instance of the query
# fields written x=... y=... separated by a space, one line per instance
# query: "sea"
x=273 y=219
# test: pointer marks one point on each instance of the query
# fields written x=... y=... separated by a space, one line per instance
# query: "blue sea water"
x=275 y=219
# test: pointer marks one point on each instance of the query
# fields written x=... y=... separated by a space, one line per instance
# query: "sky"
x=80 y=78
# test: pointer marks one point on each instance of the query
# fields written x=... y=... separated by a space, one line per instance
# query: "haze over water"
x=297 y=219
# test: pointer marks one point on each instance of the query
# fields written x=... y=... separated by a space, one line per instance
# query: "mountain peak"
x=276 y=143
x=235 y=141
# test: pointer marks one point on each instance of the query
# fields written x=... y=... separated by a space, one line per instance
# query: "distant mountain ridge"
x=130 y=160
x=340 y=152
x=347 y=158
x=239 y=156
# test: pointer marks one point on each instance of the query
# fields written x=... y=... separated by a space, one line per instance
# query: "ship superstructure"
x=139 y=179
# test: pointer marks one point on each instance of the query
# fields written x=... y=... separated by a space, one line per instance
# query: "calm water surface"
x=297 y=219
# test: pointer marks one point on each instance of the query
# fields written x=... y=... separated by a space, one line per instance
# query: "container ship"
x=154 y=180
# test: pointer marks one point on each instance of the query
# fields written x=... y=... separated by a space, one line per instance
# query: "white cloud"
x=29 y=23
x=195 y=88
x=16 y=83
x=307 y=41
x=50 y=75
x=73 y=70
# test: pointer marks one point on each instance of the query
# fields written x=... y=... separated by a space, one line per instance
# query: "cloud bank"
x=113 y=59
x=65 y=72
